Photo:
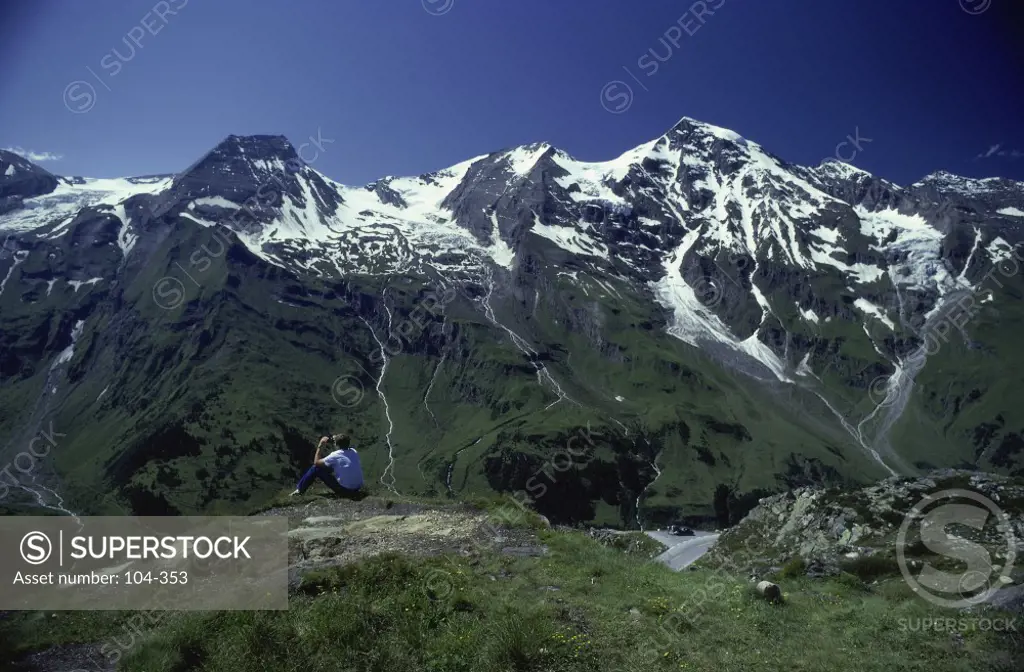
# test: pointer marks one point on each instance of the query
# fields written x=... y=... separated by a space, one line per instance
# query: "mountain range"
x=675 y=332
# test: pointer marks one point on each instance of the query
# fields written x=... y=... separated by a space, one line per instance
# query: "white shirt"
x=347 y=468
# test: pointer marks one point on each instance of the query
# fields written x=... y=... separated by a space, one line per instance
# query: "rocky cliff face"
x=826 y=530
x=21 y=179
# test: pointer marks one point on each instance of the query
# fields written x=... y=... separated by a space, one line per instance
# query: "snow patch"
x=841 y=168
x=522 y=159
x=694 y=323
x=125 y=236
x=804 y=367
x=215 y=201
x=864 y=274
x=999 y=250
x=962 y=278
x=203 y=222
x=717 y=131
x=808 y=314
x=872 y=341
x=19 y=257
x=607 y=287
x=830 y=235
x=965 y=185
x=67 y=353
x=871 y=309
x=64 y=202
x=594 y=179
x=499 y=250
x=78 y=283
x=1013 y=212
x=368 y=235
x=917 y=243
x=569 y=239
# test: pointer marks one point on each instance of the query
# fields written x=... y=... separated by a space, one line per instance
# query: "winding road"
x=683 y=551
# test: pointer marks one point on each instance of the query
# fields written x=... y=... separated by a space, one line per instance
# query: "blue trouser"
x=325 y=474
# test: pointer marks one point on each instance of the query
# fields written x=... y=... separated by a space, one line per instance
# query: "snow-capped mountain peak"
x=694 y=195
x=762 y=263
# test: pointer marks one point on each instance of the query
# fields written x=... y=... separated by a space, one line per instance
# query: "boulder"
x=819 y=568
x=1009 y=599
x=769 y=591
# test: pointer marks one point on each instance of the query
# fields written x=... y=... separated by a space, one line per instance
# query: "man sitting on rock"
x=341 y=470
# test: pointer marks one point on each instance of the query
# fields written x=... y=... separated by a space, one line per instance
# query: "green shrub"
x=871 y=567
x=637 y=543
x=850 y=581
x=793 y=569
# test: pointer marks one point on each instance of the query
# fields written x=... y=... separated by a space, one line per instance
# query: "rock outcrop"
x=819 y=532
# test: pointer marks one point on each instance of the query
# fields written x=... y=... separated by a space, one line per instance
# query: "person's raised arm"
x=316 y=458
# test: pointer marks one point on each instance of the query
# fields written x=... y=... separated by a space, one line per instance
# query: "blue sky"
x=408 y=86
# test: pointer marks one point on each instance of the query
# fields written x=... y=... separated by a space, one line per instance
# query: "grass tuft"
x=793 y=569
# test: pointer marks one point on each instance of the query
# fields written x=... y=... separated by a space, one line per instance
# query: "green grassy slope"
x=965 y=407
x=215 y=404
x=583 y=607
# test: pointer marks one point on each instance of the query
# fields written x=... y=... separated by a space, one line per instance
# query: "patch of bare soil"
x=329 y=532
x=66 y=658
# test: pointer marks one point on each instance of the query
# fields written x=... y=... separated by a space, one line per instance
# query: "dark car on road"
x=680 y=530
